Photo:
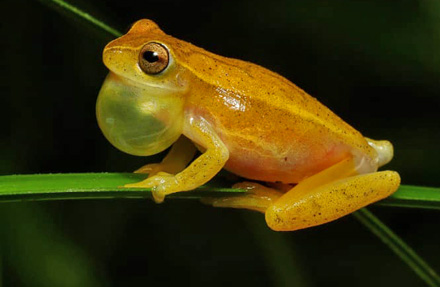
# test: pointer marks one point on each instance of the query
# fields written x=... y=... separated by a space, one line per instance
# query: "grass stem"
x=398 y=246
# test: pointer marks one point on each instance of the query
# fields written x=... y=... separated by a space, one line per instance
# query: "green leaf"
x=414 y=197
x=109 y=185
x=398 y=246
x=86 y=186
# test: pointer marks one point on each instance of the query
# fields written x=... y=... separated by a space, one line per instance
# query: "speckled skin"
x=252 y=122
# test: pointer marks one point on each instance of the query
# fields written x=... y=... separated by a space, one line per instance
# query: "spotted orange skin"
x=274 y=131
x=244 y=118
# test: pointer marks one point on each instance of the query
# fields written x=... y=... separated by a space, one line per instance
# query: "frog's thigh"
x=299 y=209
x=257 y=197
x=260 y=198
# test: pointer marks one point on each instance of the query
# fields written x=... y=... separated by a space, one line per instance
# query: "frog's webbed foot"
x=161 y=185
x=257 y=197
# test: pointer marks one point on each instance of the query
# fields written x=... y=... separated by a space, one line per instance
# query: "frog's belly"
x=287 y=163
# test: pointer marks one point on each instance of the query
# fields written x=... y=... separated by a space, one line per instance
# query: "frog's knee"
x=391 y=179
x=279 y=219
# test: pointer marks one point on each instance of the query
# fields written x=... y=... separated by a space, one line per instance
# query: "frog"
x=301 y=164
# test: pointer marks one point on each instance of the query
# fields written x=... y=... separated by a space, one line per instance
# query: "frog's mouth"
x=138 y=119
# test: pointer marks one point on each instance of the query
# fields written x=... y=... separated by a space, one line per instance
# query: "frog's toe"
x=158 y=195
x=257 y=197
x=142 y=184
x=161 y=185
x=157 y=192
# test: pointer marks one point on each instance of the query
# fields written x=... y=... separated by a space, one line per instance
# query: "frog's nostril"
x=116 y=58
x=108 y=56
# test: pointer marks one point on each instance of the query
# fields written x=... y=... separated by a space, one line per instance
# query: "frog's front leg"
x=175 y=161
x=326 y=196
x=200 y=171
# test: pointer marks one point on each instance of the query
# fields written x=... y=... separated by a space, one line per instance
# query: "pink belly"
x=286 y=167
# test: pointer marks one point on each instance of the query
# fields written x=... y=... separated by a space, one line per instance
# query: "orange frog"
x=162 y=91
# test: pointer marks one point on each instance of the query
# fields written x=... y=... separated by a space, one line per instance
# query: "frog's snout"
x=118 y=59
x=384 y=149
x=108 y=55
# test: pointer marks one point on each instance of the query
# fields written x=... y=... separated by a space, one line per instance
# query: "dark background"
x=375 y=63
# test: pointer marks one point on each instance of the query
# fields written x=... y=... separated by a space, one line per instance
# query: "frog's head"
x=140 y=105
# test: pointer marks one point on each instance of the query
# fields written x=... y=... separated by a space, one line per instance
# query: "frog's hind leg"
x=260 y=198
x=329 y=195
x=257 y=197
x=326 y=196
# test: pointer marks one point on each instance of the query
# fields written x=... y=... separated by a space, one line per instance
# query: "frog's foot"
x=161 y=185
x=257 y=197
x=323 y=198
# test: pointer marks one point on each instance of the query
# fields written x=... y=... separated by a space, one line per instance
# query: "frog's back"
x=273 y=129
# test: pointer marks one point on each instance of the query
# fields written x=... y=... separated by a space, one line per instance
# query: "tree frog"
x=306 y=165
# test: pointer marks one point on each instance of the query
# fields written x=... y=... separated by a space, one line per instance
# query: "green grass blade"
x=86 y=186
x=108 y=185
x=81 y=14
x=414 y=197
x=396 y=244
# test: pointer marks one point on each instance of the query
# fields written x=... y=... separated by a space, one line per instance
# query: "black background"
x=375 y=63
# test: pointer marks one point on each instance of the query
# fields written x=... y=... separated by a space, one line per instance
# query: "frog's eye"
x=153 y=58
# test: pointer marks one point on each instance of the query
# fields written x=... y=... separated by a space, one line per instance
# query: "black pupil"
x=150 y=56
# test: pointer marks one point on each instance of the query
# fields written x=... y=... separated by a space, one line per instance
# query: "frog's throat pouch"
x=139 y=120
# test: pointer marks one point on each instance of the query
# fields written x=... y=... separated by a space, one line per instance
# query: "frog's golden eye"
x=153 y=58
